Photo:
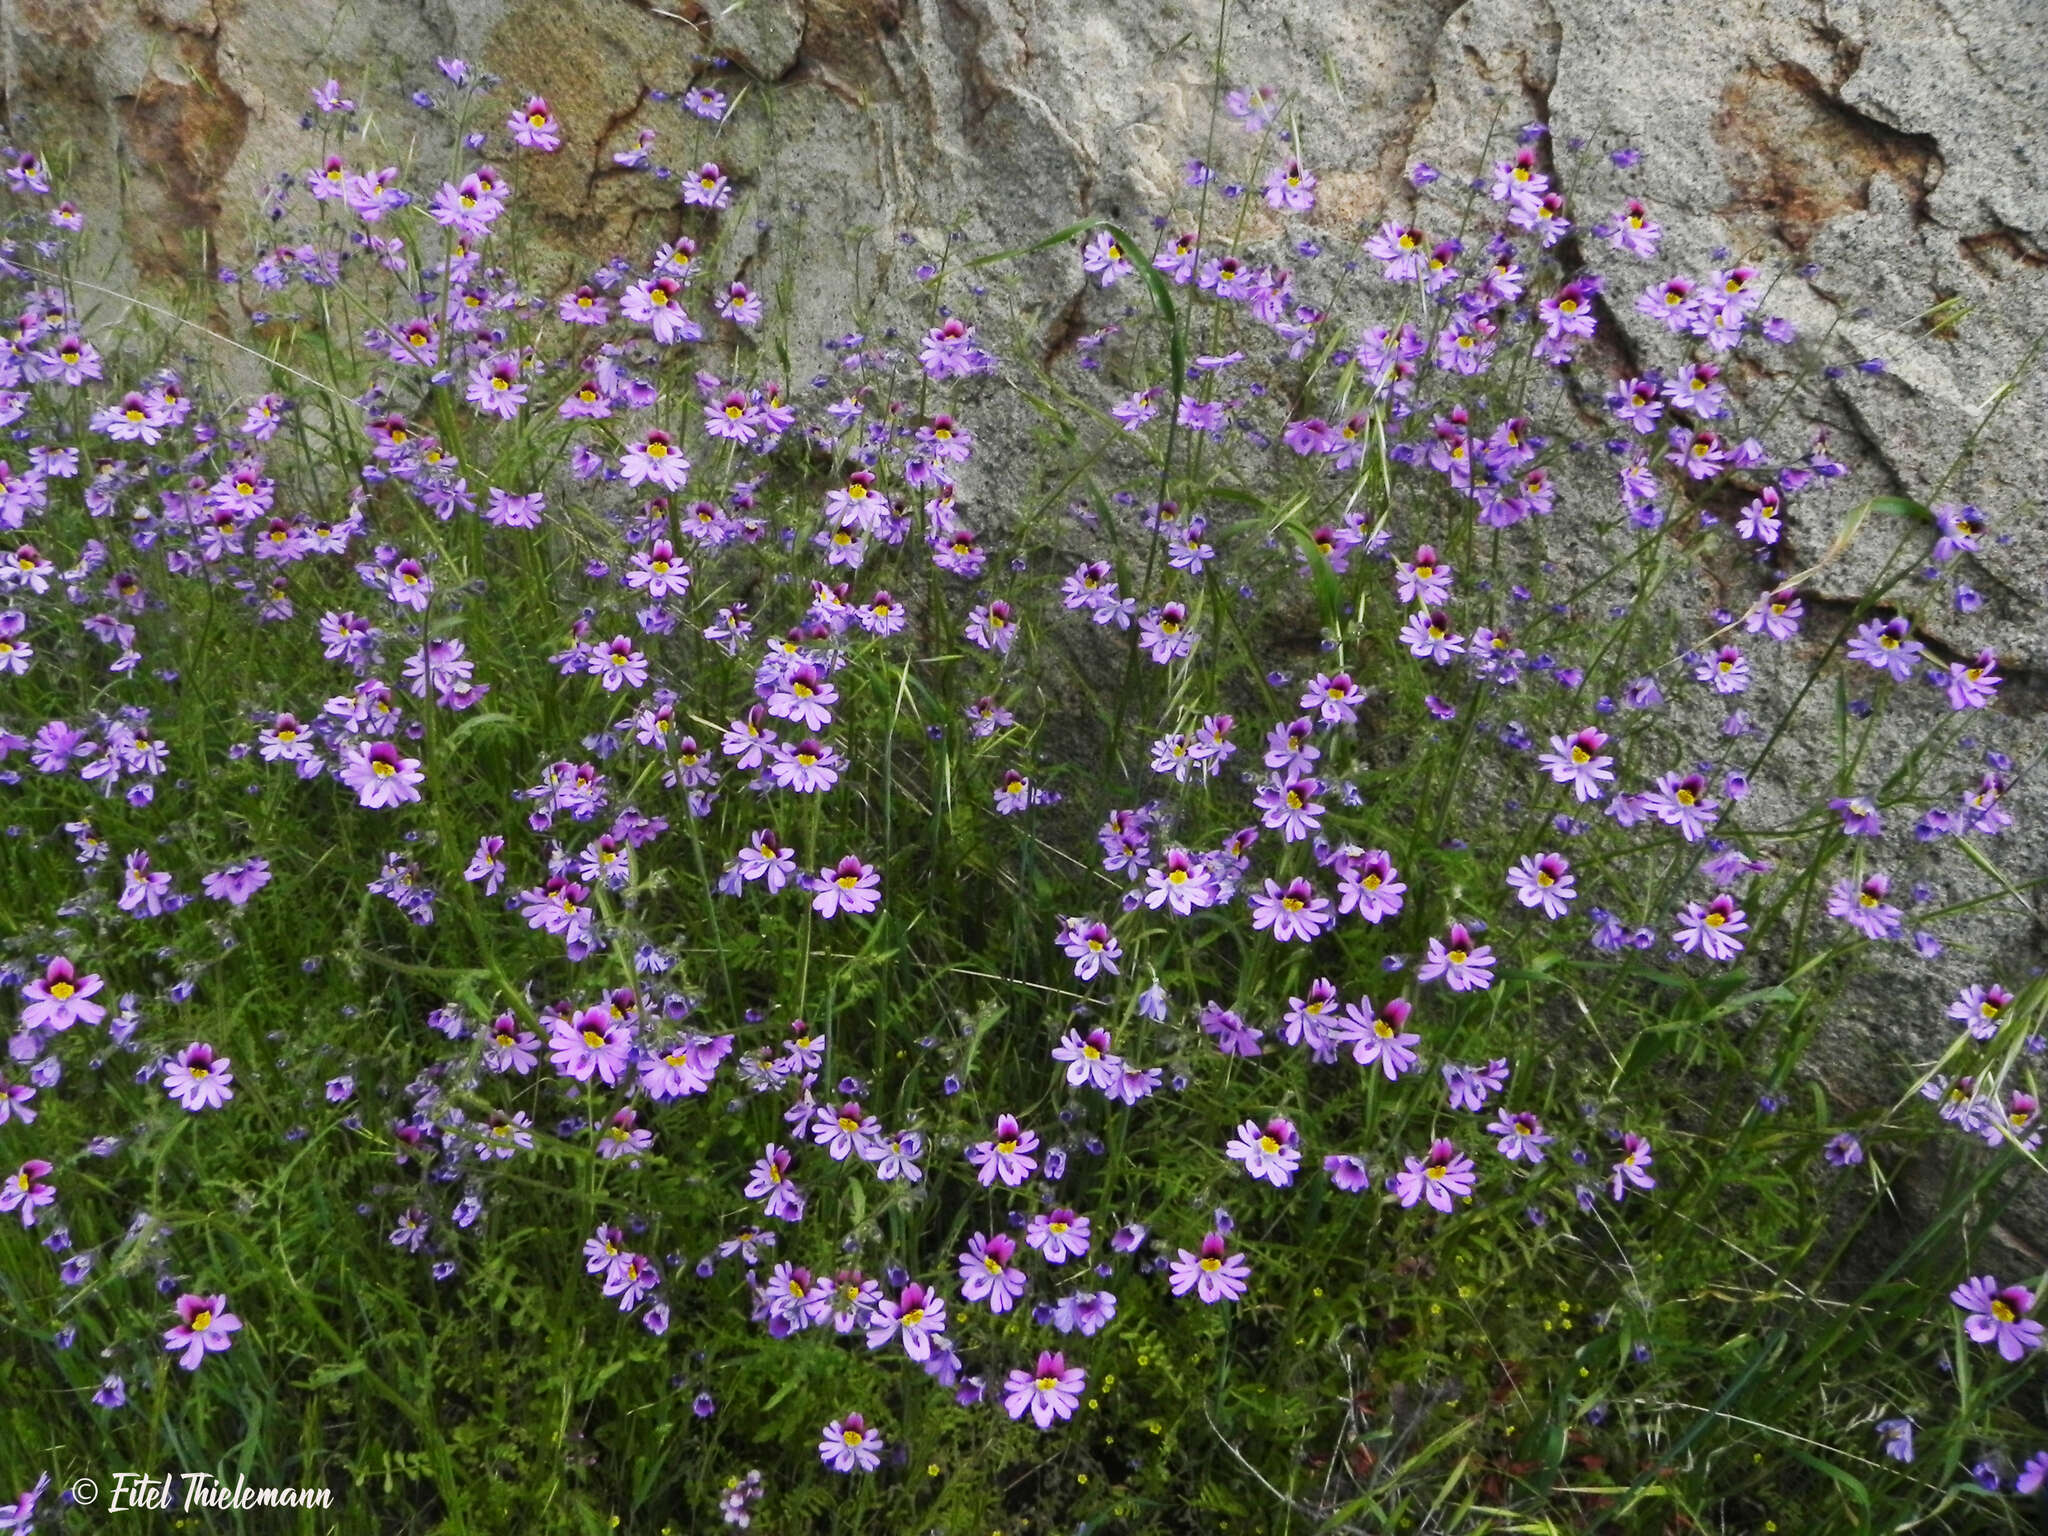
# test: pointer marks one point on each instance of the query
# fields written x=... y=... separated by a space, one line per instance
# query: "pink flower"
x=1052 y=1391
x=591 y=1044
x=1006 y=1155
x=1377 y=1037
x=619 y=666
x=1998 y=1316
x=60 y=998
x=1632 y=1171
x=1059 y=1235
x=535 y=127
x=852 y=887
x=24 y=1191
x=495 y=388
x=1544 y=882
x=987 y=1275
x=1711 y=929
x=1296 y=912
x=850 y=1446
x=918 y=1316
x=204 y=1326
x=1272 y=1154
x=1463 y=965
x=656 y=458
x=1214 y=1274
x=380 y=777
x=1444 y=1176
x=709 y=188
x=1104 y=254
x=195 y=1079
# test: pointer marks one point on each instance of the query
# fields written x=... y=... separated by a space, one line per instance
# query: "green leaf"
x=1902 y=506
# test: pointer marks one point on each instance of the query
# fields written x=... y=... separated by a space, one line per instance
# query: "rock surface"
x=1887 y=157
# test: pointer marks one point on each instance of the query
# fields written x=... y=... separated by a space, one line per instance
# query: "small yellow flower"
x=932 y=1470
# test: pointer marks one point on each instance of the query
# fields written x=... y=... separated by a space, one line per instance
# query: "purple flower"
x=1464 y=966
x=196 y=1080
x=1682 y=801
x=1215 y=1274
x=1631 y=1172
x=1711 y=929
x=534 y=127
x=1272 y=1154
x=917 y=1314
x=379 y=776
x=593 y=1043
x=655 y=459
x=852 y=887
x=2033 y=1474
x=1297 y=912
x=987 y=1275
x=1887 y=646
x=60 y=998
x=850 y=1446
x=205 y=1326
x=1579 y=762
x=238 y=882
x=1376 y=1036
x=1843 y=1150
x=1058 y=1235
x=1441 y=1177
x=1521 y=1134
x=1051 y=1391
x=1348 y=1173
x=1864 y=908
x=1896 y=1438
x=1104 y=254
x=1005 y=1156
x=1544 y=882
x=24 y=1192
x=1368 y=883
x=1977 y=1008
x=1997 y=1315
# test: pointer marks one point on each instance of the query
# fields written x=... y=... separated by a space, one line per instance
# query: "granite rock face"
x=1888 y=157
